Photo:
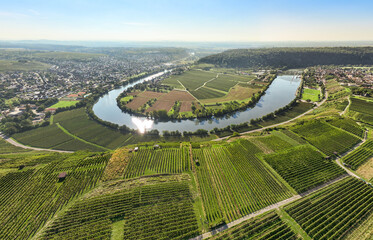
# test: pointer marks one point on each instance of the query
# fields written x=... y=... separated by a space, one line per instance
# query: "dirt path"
x=17 y=144
x=338 y=160
x=348 y=105
x=278 y=124
x=266 y=209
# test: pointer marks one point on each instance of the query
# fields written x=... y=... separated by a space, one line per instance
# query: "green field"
x=62 y=104
x=311 y=94
x=303 y=167
x=6 y=65
x=328 y=139
x=335 y=211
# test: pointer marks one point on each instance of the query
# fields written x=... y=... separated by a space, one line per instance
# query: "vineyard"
x=334 y=212
x=31 y=196
x=347 y=125
x=158 y=211
x=360 y=155
x=228 y=190
x=327 y=138
x=265 y=227
x=149 y=161
x=303 y=167
x=362 y=110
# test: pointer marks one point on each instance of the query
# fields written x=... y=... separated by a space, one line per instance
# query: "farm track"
x=217 y=75
x=279 y=124
x=266 y=209
x=17 y=144
x=338 y=160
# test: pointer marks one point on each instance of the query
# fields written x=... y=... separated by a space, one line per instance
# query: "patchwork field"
x=334 y=212
x=303 y=167
x=325 y=137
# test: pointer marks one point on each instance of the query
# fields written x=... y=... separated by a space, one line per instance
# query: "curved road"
x=17 y=144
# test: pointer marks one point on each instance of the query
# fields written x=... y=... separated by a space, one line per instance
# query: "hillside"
x=291 y=57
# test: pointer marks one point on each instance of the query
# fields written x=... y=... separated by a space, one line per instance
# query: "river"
x=280 y=93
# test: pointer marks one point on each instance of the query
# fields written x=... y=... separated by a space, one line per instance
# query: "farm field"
x=332 y=213
x=156 y=211
x=311 y=94
x=361 y=110
x=328 y=139
x=360 y=155
x=221 y=169
x=62 y=104
x=266 y=226
x=37 y=191
x=303 y=167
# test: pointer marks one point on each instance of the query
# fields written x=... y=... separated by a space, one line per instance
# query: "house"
x=62 y=176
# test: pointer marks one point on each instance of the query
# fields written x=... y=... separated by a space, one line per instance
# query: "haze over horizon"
x=187 y=21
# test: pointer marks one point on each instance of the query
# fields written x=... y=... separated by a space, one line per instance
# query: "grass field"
x=311 y=94
x=62 y=104
x=6 y=65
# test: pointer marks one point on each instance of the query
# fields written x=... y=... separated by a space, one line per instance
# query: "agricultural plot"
x=264 y=227
x=311 y=94
x=77 y=122
x=44 y=137
x=334 y=212
x=273 y=142
x=360 y=155
x=361 y=110
x=191 y=79
x=222 y=169
x=32 y=196
x=159 y=211
x=148 y=161
x=328 y=139
x=348 y=125
x=303 y=167
x=62 y=104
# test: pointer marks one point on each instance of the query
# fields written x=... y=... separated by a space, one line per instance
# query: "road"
x=17 y=144
x=281 y=123
x=266 y=209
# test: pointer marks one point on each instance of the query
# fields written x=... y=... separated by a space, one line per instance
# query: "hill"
x=291 y=57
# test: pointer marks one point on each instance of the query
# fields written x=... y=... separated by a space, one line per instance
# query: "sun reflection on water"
x=142 y=124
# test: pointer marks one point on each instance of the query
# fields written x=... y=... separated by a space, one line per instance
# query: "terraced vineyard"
x=347 y=124
x=31 y=196
x=334 y=212
x=222 y=169
x=362 y=110
x=325 y=137
x=149 y=161
x=360 y=155
x=265 y=227
x=303 y=167
x=159 y=211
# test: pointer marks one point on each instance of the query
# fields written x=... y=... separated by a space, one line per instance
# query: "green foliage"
x=325 y=137
x=335 y=211
x=148 y=161
x=303 y=167
x=38 y=194
x=223 y=169
x=360 y=155
x=267 y=226
x=159 y=211
x=291 y=57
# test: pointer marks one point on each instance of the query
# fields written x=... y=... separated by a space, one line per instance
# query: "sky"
x=187 y=20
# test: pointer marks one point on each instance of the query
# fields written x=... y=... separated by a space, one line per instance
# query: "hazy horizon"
x=187 y=21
